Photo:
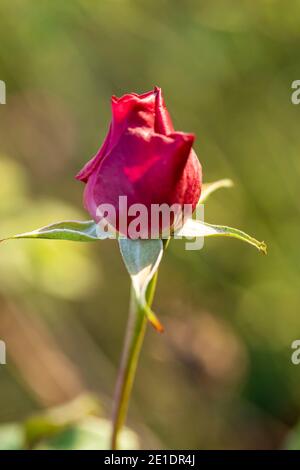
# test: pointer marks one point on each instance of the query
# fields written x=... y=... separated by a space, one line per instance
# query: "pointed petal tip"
x=81 y=176
x=190 y=137
x=184 y=137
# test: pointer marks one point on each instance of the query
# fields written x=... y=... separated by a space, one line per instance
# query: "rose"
x=144 y=159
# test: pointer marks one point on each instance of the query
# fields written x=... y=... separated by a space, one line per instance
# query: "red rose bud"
x=142 y=161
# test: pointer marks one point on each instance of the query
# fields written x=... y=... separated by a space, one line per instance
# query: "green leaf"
x=89 y=434
x=142 y=258
x=195 y=228
x=55 y=420
x=68 y=230
x=209 y=188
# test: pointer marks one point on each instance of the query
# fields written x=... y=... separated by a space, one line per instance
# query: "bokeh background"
x=221 y=376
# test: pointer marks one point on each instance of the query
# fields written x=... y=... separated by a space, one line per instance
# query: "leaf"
x=57 y=419
x=68 y=230
x=195 y=228
x=209 y=188
x=142 y=258
x=88 y=434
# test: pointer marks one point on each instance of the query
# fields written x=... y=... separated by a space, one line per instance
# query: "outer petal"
x=189 y=185
x=92 y=164
x=147 y=168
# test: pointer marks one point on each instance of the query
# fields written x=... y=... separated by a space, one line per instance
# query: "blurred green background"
x=221 y=376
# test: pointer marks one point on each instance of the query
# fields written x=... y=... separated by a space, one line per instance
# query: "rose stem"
x=135 y=333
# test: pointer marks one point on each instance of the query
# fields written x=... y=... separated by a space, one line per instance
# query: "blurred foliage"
x=68 y=427
x=221 y=375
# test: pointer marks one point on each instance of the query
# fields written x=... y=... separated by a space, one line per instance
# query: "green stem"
x=135 y=333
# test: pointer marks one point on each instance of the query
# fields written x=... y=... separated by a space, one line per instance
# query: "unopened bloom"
x=144 y=159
